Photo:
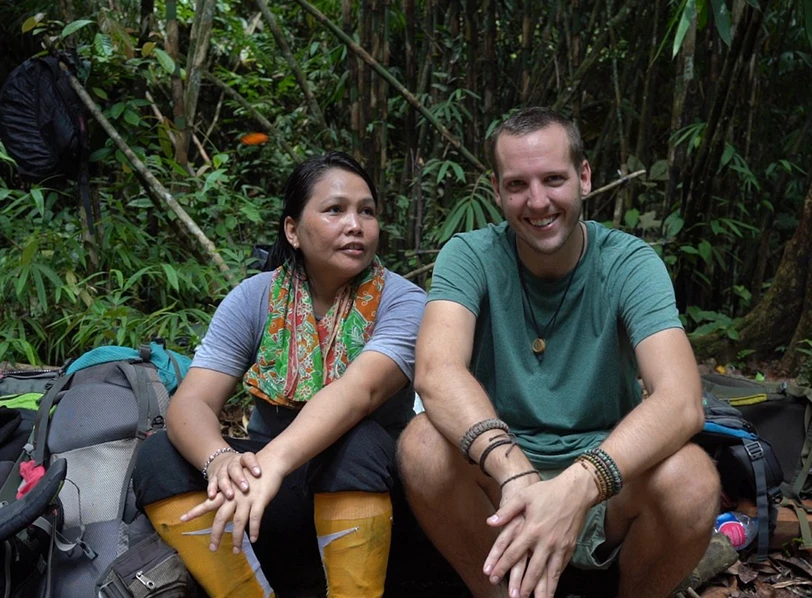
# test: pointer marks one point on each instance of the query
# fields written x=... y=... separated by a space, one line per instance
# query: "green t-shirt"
x=587 y=382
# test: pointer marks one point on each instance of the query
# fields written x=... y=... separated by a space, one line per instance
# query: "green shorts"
x=589 y=551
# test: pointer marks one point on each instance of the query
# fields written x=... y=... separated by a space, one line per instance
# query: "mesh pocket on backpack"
x=99 y=471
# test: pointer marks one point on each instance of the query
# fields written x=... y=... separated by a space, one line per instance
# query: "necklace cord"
x=526 y=294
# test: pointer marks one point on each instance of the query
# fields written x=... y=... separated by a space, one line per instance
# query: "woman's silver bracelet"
x=213 y=456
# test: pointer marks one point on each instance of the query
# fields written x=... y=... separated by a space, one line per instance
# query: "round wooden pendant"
x=539 y=345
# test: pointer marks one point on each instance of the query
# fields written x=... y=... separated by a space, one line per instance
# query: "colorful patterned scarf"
x=293 y=364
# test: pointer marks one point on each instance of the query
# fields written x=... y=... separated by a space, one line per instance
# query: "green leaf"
x=72 y=28
x=727 y=155
x=688 y=15
x=100 y=93
x=443 y=169
x=117 y=109
x=165 y=60
x=673 y=225
x=458 y=171
x=42 y=296
x=705 y=251
x=171 y=276
x=103 y=45
x=733 y=334
x=690 y=250
x=631 y=217
x=29 y=251
x=722 y=17
x=131 y=117
x=147 y=49
x=39 y=200
x=251 y=212
x=32 y=22
x=659 y=171
x=759 y=377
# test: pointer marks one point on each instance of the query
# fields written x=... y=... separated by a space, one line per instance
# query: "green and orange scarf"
x=293 y=364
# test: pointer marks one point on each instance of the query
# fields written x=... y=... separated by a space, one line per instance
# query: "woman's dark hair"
x=298 y=190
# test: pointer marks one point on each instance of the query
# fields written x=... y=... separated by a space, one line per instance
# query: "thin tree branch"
x=617 y=183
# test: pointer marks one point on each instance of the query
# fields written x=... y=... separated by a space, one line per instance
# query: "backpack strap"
x=756 y=453
x=43 y=418
x=149 y=416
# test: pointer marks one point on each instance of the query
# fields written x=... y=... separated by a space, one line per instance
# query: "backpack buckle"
x=754 y=450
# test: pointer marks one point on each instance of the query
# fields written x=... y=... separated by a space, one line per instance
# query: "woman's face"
x=338 y=229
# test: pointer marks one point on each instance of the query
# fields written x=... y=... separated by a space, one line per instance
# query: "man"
x=544 y=323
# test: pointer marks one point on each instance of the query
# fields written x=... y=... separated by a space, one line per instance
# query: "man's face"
x=540 y=190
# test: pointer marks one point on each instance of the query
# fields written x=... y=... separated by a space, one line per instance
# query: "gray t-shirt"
x=232 y=341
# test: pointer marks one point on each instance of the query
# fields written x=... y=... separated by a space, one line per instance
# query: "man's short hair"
x=530 y=120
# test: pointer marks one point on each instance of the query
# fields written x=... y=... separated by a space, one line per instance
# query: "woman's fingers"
x=249 y=461
x=236 y=473
x=207 y=506
x=224 y=514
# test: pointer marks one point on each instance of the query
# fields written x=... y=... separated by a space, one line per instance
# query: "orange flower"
x=254 y=138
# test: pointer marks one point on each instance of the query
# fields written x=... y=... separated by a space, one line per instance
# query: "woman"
x=325 y=345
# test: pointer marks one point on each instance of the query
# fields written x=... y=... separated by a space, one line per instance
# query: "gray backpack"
x=95 y=419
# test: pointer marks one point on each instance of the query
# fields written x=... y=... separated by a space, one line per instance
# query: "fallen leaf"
x=746 y=573
x=716 y=592
x=800 y=564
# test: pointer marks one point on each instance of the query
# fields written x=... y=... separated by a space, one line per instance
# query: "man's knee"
x=686 y=486
x=423 y=454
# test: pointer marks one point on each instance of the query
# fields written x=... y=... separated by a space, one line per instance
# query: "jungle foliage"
x=220 y=98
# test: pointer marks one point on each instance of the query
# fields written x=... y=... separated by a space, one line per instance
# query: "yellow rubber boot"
x=222 y=573
x=354 y=531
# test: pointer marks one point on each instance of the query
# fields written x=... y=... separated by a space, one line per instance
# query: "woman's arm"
x=193 y=424
x=334 y=410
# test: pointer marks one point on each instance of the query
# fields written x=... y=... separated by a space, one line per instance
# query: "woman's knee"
x=161 y=471
x=361 y=460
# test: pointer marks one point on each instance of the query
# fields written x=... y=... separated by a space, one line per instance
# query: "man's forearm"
x=454 y=402
x=653 y=431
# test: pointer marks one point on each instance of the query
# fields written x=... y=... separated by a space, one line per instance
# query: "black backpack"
x=748 y=467
x=43 y=127
x=41 y=121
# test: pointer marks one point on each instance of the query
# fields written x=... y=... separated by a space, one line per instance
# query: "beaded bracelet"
x=212 y=457
x=501 y=441
x=611 y=466
x=603 y=491
x=519 y=475
x=478 y=429
x=605 y=472
x=602 y=470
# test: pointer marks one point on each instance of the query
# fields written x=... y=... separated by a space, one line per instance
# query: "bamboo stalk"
x=393 y=82
x=266 y=124
x=155 y=186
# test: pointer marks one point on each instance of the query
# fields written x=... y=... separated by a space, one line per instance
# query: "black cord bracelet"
x=489 y=448
x=519 y=475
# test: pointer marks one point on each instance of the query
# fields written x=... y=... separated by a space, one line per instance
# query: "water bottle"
x=741 y=529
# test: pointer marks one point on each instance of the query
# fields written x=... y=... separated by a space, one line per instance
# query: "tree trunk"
x=173 y=49
x=352 y=66
x=195 y=65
